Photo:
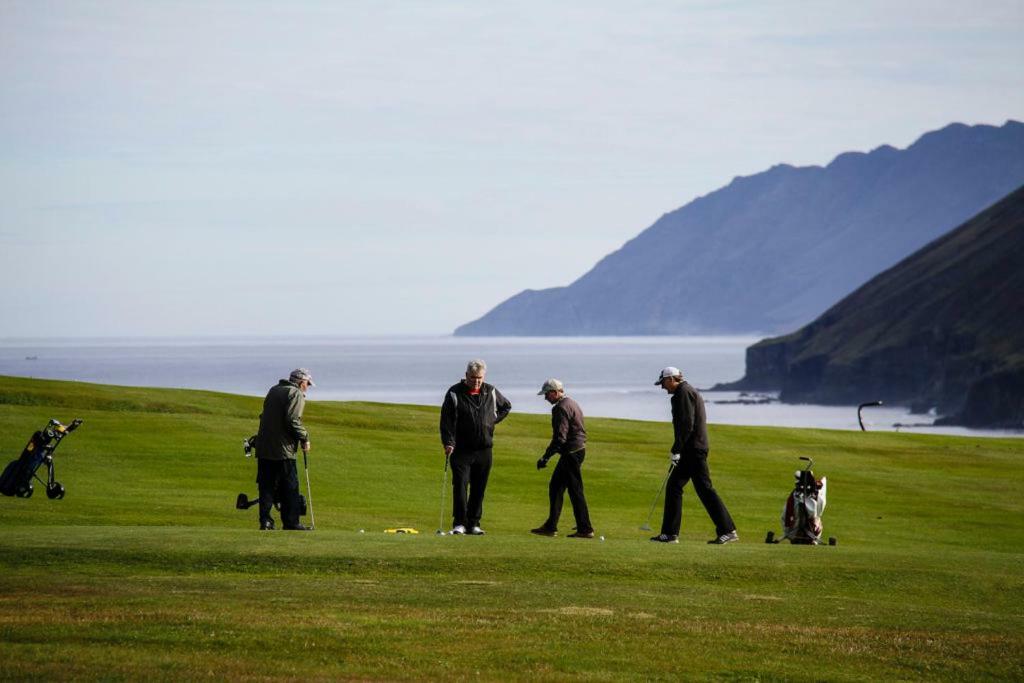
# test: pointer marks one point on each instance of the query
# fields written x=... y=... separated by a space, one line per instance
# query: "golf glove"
x=674 y=458
x=542 y=463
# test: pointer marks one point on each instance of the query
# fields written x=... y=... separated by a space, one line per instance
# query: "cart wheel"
x=26 y=492
x=831 y=540
x=770 y=538
x=55 y=491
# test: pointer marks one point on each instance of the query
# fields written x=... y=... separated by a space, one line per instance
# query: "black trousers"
x=470 y=470
x=567 y=477
x=693 y=466
x=278 y=480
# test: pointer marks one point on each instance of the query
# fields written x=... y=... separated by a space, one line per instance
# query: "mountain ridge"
x=770 y=251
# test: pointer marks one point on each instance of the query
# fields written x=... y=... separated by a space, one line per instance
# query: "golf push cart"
x=801 y=516
x=16 y=479
x=243 y=502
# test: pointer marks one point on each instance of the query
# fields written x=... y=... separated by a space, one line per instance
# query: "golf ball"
x=362 y=531
x=602 y=538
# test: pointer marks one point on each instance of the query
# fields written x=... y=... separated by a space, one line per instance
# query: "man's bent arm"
x=296 y=403
x=559 y=431
x=502 y=405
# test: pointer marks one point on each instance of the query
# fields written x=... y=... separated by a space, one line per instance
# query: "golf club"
x=861 y=407
x=647 y=525
x=309 y=492
x=444 y=483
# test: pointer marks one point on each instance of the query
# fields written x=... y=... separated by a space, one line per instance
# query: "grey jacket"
x=567 y=432
x=281 y=428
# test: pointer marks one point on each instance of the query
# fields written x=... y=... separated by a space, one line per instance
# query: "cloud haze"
x=186 y=168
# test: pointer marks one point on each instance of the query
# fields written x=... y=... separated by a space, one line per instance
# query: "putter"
x=309 y=492
x=444 y=483
x=647 y=525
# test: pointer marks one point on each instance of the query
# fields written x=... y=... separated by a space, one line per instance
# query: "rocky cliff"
x=942 y=329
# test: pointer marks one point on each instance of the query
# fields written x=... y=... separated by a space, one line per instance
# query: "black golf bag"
x=243 y=502
x=801 y=515
x=16 y=479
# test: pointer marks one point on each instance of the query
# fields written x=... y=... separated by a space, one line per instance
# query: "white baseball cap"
x=299 y=374
x=669 y=372
x=551 y=385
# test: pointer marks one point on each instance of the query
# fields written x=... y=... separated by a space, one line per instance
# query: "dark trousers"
x=693 y=466
x=278 y=480
x=470 y=469
x=567 y=477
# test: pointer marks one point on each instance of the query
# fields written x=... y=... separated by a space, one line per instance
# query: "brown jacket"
x=567 y=432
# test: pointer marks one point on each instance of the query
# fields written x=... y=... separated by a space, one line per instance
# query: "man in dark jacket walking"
x=281 y=435
x=689 y=458
x=469 y=412
x=569 y=440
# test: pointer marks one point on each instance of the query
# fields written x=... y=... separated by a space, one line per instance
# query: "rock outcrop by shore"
x=942 y=330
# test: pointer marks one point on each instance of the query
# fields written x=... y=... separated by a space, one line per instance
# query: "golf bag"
x=243 y=502
x=801 y=515
x=16 y=479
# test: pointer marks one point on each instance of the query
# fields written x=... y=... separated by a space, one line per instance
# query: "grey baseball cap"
x=668 y=372
x=551 y=385
x=299 y=374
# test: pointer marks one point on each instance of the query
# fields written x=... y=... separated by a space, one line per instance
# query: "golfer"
x=689 y=458
x=281 y=435
x=469 y=411
x=568 y=440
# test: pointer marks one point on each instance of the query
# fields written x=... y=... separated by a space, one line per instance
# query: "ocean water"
x=609 y=376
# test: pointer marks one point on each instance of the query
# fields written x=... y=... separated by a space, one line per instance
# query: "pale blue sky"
x=180 y=168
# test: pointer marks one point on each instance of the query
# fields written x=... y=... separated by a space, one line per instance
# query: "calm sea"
x=610 y=377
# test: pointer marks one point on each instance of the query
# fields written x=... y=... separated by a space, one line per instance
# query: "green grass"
x=145 y=570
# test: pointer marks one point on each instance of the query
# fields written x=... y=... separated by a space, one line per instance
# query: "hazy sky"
x=255 y=168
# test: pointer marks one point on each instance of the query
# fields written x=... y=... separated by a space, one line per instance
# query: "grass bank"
x=145 y=570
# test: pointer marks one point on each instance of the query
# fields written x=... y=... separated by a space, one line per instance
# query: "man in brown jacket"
x=281 y=435
x=569 y=440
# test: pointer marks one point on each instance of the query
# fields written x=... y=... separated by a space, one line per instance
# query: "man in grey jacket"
x=281 y=435
x=689 y=458
x=568 y=440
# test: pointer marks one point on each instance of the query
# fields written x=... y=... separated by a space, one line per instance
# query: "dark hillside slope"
x=944 y=328
x=770 y=252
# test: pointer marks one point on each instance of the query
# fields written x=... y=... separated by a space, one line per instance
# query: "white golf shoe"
x=476 y=531
x=458 y=530
x=729 y=537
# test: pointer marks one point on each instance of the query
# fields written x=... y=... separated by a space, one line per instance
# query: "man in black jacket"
x=281 y=435
x=569 y=440
x=689 y=458
x=469 y=412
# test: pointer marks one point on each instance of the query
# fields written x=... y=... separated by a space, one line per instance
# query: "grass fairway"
x=146 y=571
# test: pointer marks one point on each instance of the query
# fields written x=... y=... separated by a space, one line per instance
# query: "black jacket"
x=689 y=421
x=467 y=422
